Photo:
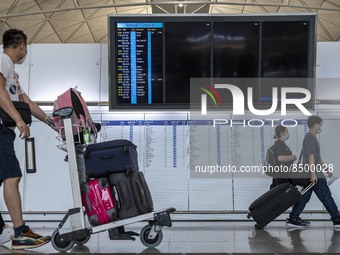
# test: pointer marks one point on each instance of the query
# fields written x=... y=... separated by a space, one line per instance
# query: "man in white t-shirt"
x=15 y=51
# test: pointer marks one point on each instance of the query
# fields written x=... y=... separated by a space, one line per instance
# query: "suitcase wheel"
x=248 y=215
x=257 y=226
x=128 y=171
x=126 y=148
x=94 y=222
x=103 y=182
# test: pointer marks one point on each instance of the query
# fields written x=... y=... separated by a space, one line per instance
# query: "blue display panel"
x=139 y=53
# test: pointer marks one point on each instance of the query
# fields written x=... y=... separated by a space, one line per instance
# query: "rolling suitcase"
x=116 y=156
x=127 y=206
x=274 y=202
x=141 y=193
x=97 y=197
x=133 y=194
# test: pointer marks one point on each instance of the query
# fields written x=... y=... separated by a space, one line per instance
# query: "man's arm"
x=35 y=109
x=312 y=166
x=286 y=158
x=7 y=105
x=38 y=112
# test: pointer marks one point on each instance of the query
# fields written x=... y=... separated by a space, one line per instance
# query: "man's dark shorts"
x=9 y=164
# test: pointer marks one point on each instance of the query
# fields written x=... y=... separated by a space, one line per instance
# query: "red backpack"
x=80 y=117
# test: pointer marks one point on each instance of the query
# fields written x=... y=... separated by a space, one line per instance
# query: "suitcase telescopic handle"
x=307 y=188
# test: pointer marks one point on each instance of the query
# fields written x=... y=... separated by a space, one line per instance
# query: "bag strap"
x=300 y=157
x=274 y=151
x=21 y=95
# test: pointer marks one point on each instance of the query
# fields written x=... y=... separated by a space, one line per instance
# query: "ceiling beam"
x=85 y=22
x=47 y=20
x=333 y=9
x=330 y=37
x=262 y=7
x=8 y=12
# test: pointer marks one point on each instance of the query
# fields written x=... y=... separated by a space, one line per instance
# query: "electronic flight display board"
x=153 y=57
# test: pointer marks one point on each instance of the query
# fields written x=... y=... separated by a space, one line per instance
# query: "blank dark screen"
x=236 y=49
x=284 y=49
x=285 y=56
x=187 y=55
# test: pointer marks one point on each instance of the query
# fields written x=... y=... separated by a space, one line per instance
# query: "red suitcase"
x=98 y=200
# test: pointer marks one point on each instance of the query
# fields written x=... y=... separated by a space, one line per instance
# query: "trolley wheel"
x=150 y=243
x=83 y=240
x=59 y=244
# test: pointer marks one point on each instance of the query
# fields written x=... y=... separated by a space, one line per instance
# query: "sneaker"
x=6 y=234
x=336 y=224
x=294 y=231
x=304 y=221
x=296 y=223
x=29 y=240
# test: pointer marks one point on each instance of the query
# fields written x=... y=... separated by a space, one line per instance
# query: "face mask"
x=22 y=60
x=320 y=129
x=285 y=136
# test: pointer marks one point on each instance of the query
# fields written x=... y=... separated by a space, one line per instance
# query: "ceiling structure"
x=85 y=21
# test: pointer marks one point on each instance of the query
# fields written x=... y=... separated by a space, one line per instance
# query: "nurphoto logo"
x=239 y=99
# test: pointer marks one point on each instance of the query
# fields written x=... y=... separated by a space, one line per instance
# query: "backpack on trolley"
x=81 y=119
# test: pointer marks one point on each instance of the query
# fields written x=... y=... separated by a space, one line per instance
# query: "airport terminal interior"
x=192 y=92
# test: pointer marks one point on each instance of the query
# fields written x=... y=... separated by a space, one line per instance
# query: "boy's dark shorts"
x=9 y=164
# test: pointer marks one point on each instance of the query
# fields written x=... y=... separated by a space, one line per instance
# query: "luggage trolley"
x=74 y=227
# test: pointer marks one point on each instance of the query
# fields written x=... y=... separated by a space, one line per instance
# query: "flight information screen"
x=139 y=63
x=153 y=59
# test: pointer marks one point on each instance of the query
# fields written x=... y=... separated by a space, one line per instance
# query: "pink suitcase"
x=98 y=200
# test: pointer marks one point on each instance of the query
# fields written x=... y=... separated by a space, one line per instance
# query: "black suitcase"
x=122 y=183
x=274 y=202
x=116 y=156
x=141 y=193
x=134 y=197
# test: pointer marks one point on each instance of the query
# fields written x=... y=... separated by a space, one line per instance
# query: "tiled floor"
x=212 y=237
